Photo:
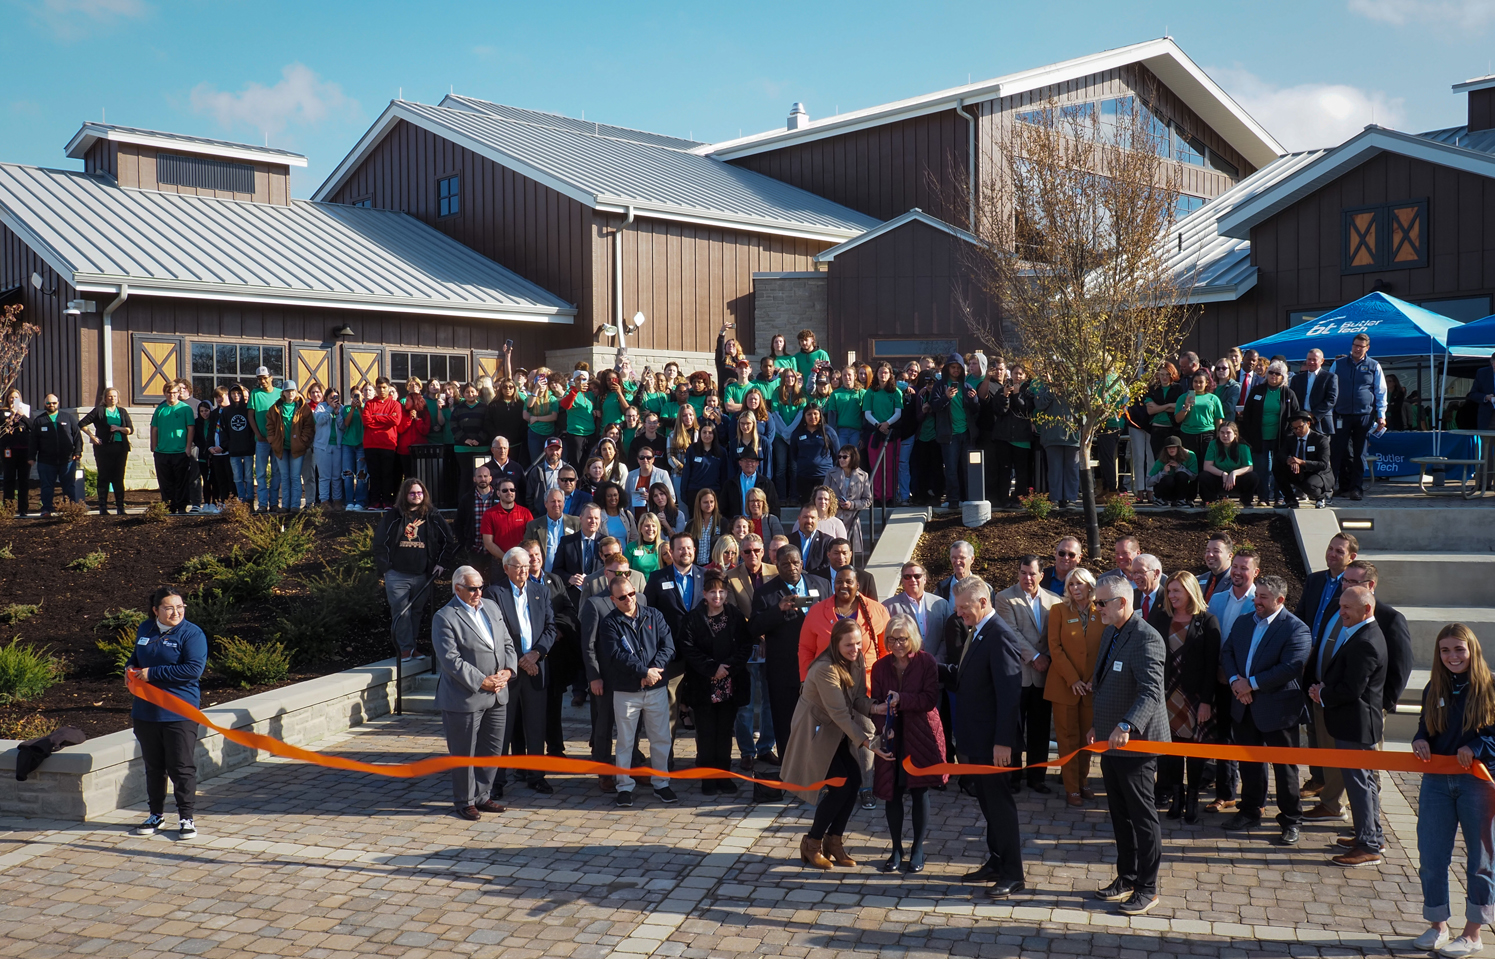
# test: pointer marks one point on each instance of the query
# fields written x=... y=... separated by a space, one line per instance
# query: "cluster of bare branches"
x=15 y=343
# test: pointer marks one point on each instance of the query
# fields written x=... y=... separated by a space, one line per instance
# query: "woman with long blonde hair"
x=1458 y=719
x=1074 y=631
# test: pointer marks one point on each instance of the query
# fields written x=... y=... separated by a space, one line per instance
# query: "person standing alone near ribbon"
x=170 y=654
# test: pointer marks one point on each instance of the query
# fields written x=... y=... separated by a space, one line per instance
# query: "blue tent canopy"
x=1473 y=339
x=1395 y=328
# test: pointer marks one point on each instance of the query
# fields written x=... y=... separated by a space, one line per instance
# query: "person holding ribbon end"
x=1458 y=719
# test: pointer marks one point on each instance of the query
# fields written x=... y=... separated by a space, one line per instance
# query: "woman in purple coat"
x=908 y=678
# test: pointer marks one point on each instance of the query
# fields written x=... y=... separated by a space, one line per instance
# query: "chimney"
x=798 y=118
x=1481 y=91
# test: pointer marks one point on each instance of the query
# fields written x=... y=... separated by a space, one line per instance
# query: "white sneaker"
x=187 y=829
x=1462 y=947
x=1431 y=940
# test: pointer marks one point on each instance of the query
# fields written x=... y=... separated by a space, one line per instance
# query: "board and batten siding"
x=132 y=165
x=884 y=171
x=58 y=360
x=537 y=232
x=1298 y=252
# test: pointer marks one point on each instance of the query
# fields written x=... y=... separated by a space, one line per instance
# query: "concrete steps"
x=420 y=694
x=1414 y=578
x=1401 y=725
x=1425 y=622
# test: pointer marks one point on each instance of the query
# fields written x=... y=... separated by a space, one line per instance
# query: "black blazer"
x=732 y=503
x=1398 y=652
x=665 y=597
x=1308 y=604
x=989 y=678
x=1316 y=446
x=814 y=557
x=1249 y=419
x=568 y=562
x=1325 y=395
x=541 y=620
x=704 y=651
x=1198 y=674
x=1355 y=687
x=1279 y=700
x=776 y=627
x=99 y=421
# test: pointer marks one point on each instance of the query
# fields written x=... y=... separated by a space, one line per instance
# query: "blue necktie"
x=586 y=556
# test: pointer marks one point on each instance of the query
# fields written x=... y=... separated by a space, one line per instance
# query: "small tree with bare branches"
x=15 y=343
x=1071 y=212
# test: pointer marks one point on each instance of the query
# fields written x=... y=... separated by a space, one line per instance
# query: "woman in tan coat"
x=1075 y=630
x=828 y=738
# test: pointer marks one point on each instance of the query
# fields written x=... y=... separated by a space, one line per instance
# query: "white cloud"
x=1465 y=14
x=301 y=97
x=73 y=19
x=1310 y=115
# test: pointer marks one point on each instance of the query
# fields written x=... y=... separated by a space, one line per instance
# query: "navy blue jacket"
x=624 y=656
x=1447 y=743
x=1279 y=699
x=176 y=660
x=809 y=452
x=989 y=685
x=704 y=470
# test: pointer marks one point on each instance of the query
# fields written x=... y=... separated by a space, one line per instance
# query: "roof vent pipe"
x=798 y=118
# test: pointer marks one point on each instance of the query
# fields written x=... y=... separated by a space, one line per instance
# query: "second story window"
x=447 y=200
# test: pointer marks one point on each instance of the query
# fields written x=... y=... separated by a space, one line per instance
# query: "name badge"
x=1310 y=448
x=667 y=584
x=1116 y=666
x=145 y=641
x=814 y=592
x=1076 y=620
x=45 y=428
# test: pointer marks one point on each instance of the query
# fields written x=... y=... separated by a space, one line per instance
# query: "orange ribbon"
x=1283 y=755
x=436 y=764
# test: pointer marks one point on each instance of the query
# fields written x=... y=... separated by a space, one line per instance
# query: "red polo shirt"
x=505 y=526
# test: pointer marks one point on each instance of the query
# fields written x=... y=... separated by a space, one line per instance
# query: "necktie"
x=586 y=555
x=685 y=589
x=1302 y=448
x=1146 y=605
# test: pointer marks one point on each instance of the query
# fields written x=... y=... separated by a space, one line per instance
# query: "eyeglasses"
x=506 y=491
x=172 y=609
x=844 y=456
x=416 y=492
x=567 y=479
x=913 y=575
x=1101 y=603
x=1066 y=555
x=645 y=456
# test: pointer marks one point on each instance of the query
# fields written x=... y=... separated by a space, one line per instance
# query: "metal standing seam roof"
x=609 y=173
x=1482 y=141
x=456 y=101
x=90 y=132
x=98 y=235
x=1212 y=267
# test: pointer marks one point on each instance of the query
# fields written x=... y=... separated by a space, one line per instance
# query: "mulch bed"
x=142 y=557
x=1176 y=538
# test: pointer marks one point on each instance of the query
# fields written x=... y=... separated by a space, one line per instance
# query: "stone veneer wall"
x=785 y=303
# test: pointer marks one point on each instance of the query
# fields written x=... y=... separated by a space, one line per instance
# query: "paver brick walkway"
x=295 y=860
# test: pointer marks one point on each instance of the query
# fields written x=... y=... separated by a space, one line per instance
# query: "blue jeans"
x=1446 y=805
x=536 y=444
x=955 y=468
x=266 y=475
x=905 y=457
x=286 y=476
x=49 y=476
x=354 y=475
x=743 y=726
x=242 y=468
x=329 y=477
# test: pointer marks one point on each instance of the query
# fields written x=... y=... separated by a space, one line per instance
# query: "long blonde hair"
x=841 y=668
x=1479 y=698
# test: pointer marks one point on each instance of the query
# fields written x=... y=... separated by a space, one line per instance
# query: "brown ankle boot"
x=837 y=852
x=809 y=851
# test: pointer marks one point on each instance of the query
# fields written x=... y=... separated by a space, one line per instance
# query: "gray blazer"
x=936 y=611
x=465 y=658
x=1033 y=637
x=1129 y=682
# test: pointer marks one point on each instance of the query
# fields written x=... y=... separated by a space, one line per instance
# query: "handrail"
x=872 y=514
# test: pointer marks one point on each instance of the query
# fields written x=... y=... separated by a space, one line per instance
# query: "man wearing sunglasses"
x=1067 y=555
x=634 y=648
x=56 y=445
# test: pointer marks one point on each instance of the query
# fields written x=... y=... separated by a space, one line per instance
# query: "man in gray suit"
x=530 y=620
x=476 y=657
x=927 y=609
x=1129 y=705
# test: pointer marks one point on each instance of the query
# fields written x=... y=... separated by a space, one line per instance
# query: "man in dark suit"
x=1394 y=630
x=837 y=558
x=1483 y=396
x=1352 y=694
x=1317 y=389
x=1128 y=704
x=577 y=556
x=528 y=615
x=1302 y=463
x=1146 y=575
x=989 y=727
x=1317 y=606
x=734 y=495
x=778 y=613
x=676 y=590
x=565 y=653
x=806 y=538
x=1263 y=659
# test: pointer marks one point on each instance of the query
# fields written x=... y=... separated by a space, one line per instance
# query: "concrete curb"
x=107 y=773
x=895 y=546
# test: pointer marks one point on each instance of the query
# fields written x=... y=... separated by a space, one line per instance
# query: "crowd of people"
x=1241 y=426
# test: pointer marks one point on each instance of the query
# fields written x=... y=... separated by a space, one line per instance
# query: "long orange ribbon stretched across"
x=1284 y=755
x=436 y=764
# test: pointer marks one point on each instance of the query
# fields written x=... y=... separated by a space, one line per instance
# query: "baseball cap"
x=289 y=385
x=262 y=371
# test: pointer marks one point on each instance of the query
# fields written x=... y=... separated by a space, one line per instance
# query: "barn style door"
x=312 y=362
x=156 y=361
x=362 y=364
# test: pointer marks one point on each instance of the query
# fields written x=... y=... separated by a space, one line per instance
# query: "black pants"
x=1347 y=450
x=1198 y=444
x=781 y=672
x=1171 y=772
x=1212 y=487
x=1134 y=819
x=893 y=809
x=223 y=479
x=169 y=750
x=1004 y=845
x=1104 y=448
x=110 y=459
x=384 y=476
x=834 y=810
x=1158 y=434
x=172 y=470
x=714 y=734
x=1175 y=485
x=16 y=482
x=926 y=468
x=1227 y=773
x=564 y=663
x=524 y=727
x=1036 y=717
x=574 y=449
x=1254 y=775
x=1313 y=486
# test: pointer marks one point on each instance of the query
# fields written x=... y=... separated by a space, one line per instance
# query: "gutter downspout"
x=970 y=161
x=618 y=277
x=106 y=333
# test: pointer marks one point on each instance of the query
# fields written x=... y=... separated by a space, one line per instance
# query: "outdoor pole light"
x=975 y=475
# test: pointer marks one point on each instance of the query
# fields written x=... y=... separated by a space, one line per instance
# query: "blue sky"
x=312 y=76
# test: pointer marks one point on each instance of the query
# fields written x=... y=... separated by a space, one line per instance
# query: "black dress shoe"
x=542 y=787
x=1041 y=788
x=986 y=873
x=1240 y=821
x=1115 y=892
x=470 y=813
x=1005 y=890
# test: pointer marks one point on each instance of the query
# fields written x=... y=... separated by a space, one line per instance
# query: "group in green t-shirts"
x=172 y=425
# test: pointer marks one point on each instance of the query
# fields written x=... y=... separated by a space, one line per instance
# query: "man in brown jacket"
x=290 y=429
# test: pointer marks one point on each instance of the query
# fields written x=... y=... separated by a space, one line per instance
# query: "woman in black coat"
x=1261 y=430
x=110 y=436
x=1191 y=635
x=715 y=646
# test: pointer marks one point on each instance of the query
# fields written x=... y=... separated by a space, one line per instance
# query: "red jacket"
x=413 y=429
x=505 y=526
x=381 y=424
x=920 y=734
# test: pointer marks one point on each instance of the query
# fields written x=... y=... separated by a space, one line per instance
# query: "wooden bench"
x=1463 y=489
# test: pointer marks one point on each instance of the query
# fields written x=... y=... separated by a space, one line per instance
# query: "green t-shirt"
x=786 y=411
x=544 y=408
x=668 y=410
x=698 y=400
x=1204 y=415
x=112 y=418
x=579 y=421
x=1217 y=456
x=1170 y=394
x=171 y=424
x=259 y=401
x=643 y=558
x=926 y=429
x=287 y=413
x=805 y=362
x=881 y=404
x=846 y=409
x=786 y=363
x=653 y=402
x=1191 y=463
x=612 y=411
x=443 y=435
x=353 y=426
x=1271 y=413
x=736 y=391
x=958 y=412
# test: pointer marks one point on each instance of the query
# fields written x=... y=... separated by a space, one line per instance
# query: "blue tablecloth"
x=1396 y=451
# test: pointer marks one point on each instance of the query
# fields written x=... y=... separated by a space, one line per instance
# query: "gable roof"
x=1331 y=164
x=100 y=236
x=456 y=101
x=915 y=215
x=620 y=175
x=91 y=133
x=1162 y=56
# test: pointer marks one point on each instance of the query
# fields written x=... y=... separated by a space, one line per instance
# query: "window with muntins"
x=404 y=364
x=224 y=364
x=448 y=202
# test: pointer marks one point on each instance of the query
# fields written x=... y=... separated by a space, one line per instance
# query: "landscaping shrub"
x=1117 y=510
x=273 y=544
x=245 y=580
x=118 y=650
x=89 y=563
x=18 y=612
x=90 y=483
x=26 y=672
x=6 y=552
x=1038 y=505
x=122 y=618
x=71 y=511
x=237 y=511
x=157 y=512
x=351 y=594
x=33 y=726
x=212 y=611
x=312 y=631
x=1222 y=513
x=247 y=664
x=198 y=565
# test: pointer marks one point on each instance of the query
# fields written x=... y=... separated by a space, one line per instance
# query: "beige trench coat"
x=826 y=715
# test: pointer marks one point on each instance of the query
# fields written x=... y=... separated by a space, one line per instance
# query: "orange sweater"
x=815 y=634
